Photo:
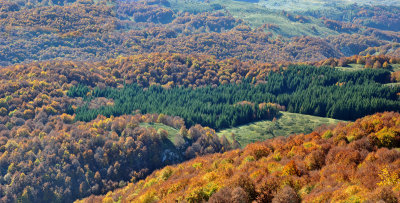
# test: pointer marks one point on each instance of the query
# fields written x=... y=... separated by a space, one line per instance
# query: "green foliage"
x=322 y=91
x=213 y=107
x=78 y=91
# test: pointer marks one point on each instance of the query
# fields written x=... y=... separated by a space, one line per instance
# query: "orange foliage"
x=359 y=169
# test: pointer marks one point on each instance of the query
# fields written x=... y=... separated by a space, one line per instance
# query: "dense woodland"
x=40 y=101
x=301 y=89
x=98 y=30
x=380 y=17
x=84 y=83
x=352 y=162
x=60 y=161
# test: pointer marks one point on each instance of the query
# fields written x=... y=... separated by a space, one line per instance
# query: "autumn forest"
x=126 y=101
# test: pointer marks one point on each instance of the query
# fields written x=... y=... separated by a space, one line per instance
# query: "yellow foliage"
x=107 y=200
x=277 y=156
x=305 y=190
x=274 y=167
x=387 y=178
x=28 y=114
x=197 y=165
x=67 y=118
x=386 y=137
x=166 y=173
x=211 y=176
x=3 y=111
x=23 y=132
x=149 y=197
x=150 y=183
x=328 y=134
x=351 y=193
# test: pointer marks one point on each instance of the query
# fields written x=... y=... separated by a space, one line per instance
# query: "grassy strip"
x=287 y=124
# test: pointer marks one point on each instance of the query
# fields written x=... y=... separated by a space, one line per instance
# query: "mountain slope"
x=98 y=30
x=351 y=162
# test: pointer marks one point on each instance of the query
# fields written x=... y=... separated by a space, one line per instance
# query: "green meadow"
x=286 y=125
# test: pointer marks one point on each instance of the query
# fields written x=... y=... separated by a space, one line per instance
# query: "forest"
x=299 y=89
x=62 y=161
x=350 y=162
x=122 y=100
x=43 y=143
x=87 y=30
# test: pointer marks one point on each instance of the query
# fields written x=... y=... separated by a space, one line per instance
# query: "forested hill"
x=352 y=162
x=301 y=89
x=54 y=159
x=96 y=95
x=47 y=154
x=98 y=30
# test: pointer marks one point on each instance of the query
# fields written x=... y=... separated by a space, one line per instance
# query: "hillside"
x=60 y=160
x=351 y=162
x=284 y=125
x=87 y=30
x=96 y=95
x=51 y=130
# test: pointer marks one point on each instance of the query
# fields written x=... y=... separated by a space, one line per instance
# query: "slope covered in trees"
x=217 y=63
x=60 y=161
x=47 y=156
x=301 y=89
x=351 y=162
x=98 y=30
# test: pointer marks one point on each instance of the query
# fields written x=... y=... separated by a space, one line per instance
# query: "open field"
x=302 y=5
x=287 y=124
x=172 y=132
x=357 y=67
x=395 y=67
x=352 y=67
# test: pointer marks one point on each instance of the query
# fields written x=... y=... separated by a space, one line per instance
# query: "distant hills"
x=88 y=30
x=96 y=95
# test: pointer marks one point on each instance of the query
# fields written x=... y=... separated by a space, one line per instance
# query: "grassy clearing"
x=352 y=67
x=306 y=5
x=395 y=67
x=296 y=5
x=393 y=84
x=357 y=67
x=172 y=132
x=262 y=12
x=257 y=15
x=191 y=6
x=287 y=124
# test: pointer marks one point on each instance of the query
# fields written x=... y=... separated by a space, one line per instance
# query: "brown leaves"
x=326 y=171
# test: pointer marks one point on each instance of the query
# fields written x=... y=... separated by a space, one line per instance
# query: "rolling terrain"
x=51 y=130
x=352 y=162
x=193 y=101
x=99 y=30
